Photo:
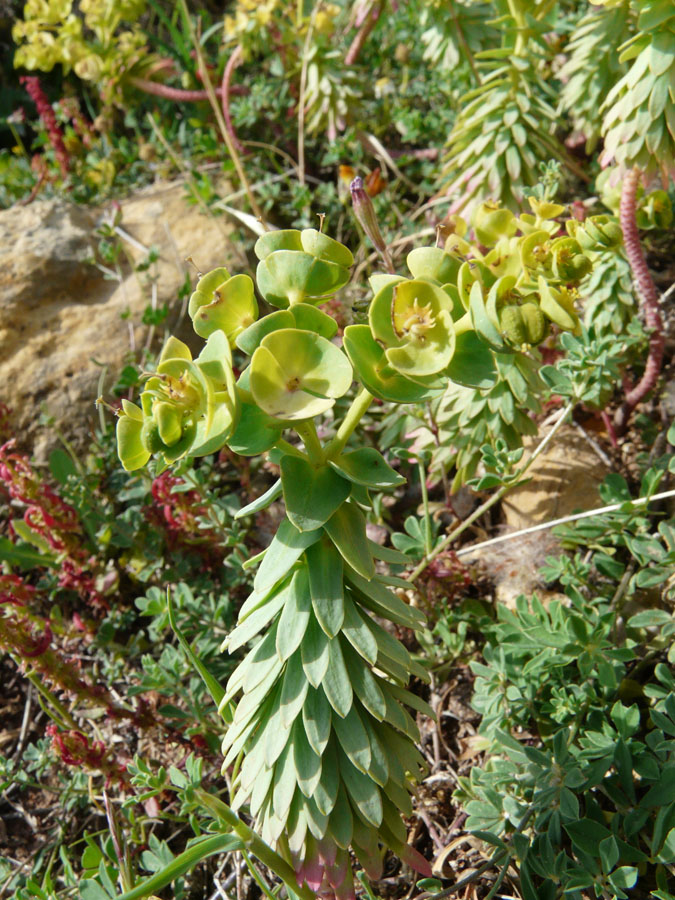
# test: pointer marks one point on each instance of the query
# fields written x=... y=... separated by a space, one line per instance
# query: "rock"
x=58 y=313
x=564 y=479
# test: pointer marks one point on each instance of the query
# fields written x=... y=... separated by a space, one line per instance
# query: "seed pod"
x=513 y=325
x=536 y=325
x=150 y=437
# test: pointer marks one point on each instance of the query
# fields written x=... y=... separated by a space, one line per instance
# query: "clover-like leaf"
x=285 y=239
x=433 y=264
x=286 y=277
x=323 y=247
x=472 y=363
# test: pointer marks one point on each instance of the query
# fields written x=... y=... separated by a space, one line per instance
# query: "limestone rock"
x=564 y=479
x=58 y=313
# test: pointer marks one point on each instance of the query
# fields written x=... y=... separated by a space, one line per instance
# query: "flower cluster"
x=187 y=408
x=75 y=749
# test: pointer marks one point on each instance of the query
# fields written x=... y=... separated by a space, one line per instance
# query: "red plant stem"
x=46 y=113
x=178 y=94
x=232 y=63
x=609 y=425
x=648 y=295
x=362 y=34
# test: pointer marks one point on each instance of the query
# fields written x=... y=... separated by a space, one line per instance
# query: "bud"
x=598 y=233
x=569 y=262
x=365 y=214
x=655 y=211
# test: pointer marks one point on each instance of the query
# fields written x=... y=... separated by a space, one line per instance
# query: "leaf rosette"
x=188 y=408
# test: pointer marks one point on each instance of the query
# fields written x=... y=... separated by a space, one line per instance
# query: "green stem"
x=289 y=449
x=42 y=689
x=307 y=432
x=255 y=844
x=354 y=415
x=17 y=138
x=220 y=119
x=516 y=8
x=461 y=528
x=260 y=881
x=425 y=504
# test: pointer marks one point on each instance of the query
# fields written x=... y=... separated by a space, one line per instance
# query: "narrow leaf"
x=347 y=530
x=294 y=616
x=326 y=585
x=336 y=682
x=287 y=546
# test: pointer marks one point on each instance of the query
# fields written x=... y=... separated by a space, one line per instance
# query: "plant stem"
x=649 y=296
x=495 y=498
x=235 y=59
x=234 y=155
x=262 y=884
x=533 y=529
x=255 y=844
x=307 y=432
x=289 y=449
x=425 y=504
x=354 y=415
x=363 y=33
x=42 y=689
x=179 y=95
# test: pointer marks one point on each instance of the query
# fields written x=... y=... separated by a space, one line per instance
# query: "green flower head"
x=221 y=303
x=568 y=261
x=300 y=267
x=413 y=319
x=187 y=408
x=297 y=374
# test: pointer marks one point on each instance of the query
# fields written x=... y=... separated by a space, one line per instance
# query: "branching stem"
x=354 y=415
x=309 y=437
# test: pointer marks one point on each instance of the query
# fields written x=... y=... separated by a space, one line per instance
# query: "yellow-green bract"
x=188 y=408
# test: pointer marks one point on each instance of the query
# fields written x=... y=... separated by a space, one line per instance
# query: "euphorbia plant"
x=321 y=740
